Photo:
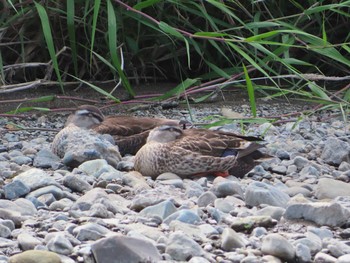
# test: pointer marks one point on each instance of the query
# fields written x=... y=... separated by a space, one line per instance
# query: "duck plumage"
x=194 y=152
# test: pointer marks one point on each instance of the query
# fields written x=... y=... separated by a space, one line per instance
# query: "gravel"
x=294 y=207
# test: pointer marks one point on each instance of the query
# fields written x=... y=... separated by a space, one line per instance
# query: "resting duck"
x=196 y=152
x=130 y=133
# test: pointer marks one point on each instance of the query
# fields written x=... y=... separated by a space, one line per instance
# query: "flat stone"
x=278 y=246
x=123 y=250
x=324 y=258
x=46 y=159
x=227 y=187
x=35 y=256
x=182 y=248
x=231 y=240
x=57 y=192
x=60 y=244
x=161 y=210
x=250 y=222
x=206 y=198
x=15 y=189
x=35 y=178
x=27 y=242
x=135 y=180
x=5 y=232
x=322 y=213
x=189 y=230
x=258 y=193
x=272 y=211
x=76 y=183
x=183 y=215
x=336 y=151
x=90 y=231
x=96 y=167
x=302 y=253
x=329 y=188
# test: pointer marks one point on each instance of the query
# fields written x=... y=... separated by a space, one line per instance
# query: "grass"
x=201 y=45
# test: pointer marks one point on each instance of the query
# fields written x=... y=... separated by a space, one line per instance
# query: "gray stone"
x=309 y=171
x=178 y=183
x=135 y=180
x=259 y=231
x=313 y=242
x=90 y=231
x=8 y=223
x=60 y=244
x=294 y=190
x=226 y=204
x=336 y=151
x=161 y=210
x=300 y=162
x=124 y=250
x=250 y=222
x=35 y=178
x=272 y=211
x=184 y=215
x=344 y=167
x=227 y=187
x=338 y=248
x=76 y=183
x=206 y=198
x=21 y=160
x=280 y=169
x=261 y=193
x=27 y=242
x=324 y=258
x=329 y=188
x=322 y=213
x=198 y=260
x=96 y=168
x=302 y=253
x=278 y=246
x=189 y=230
x=51 y=189
x=100 y=211
x=46 y=159
x=322 y=233
x=35 y=256
x=231 y=240
x=182 y=248
x=344 y=259
x=15 y=189
x=4 y=231
x=61 y=205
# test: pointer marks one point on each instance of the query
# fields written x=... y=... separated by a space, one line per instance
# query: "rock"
x=272 y=211
x=336 y=151
x=329 y=188
x=278 y=246
x=231 y=240
x=206 y=198
x=35 y=256
x=300 y=162
x=51 y=189
x=135 y=180
x=227 y=187
x=90 y=231
x=294 y=190
x=35 y=178
x=46 y=159
x=4 y=231
x=338 y=248
x=302 y=253
x=322 y=213
x=125 y=250
x=344 y=259
x=261 y=193
x=161 y=210
x=96 y=167
x=324 y=258
x=15 y=189
x=184 y=215
x=182 y=248
x=192 y=231
x=250 y=222
x=75 y=183
x=60 y=244
x=27 y=242
x=312 y=241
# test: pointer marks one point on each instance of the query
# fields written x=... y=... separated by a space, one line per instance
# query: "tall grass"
x=287 y=47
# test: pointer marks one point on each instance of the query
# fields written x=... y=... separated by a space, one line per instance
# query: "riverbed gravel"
x=294 y=207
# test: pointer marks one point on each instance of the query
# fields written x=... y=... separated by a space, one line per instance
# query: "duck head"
x=164 y=134
x=86 y=116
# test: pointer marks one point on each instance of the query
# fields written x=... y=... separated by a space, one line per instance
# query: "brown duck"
x=130 y=133
x=196 y=152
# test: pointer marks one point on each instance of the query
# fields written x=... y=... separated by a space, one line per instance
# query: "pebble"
x=277 y=245
x=329 y=188
x=230 y=240
x=35 y=256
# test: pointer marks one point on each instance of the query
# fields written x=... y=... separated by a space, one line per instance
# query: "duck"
x=197 y=152
x=129 y=132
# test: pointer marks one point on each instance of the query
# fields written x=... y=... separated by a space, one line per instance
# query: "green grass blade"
x=45 y=23
x=144 y=4
x=71 y=33
x=112 y=45
x=26 y=109
x=97 y=5
x=178 y=89
x=317 y=91
x=250 y=89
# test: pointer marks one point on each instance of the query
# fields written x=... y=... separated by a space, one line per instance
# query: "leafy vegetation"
x=277 y=48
